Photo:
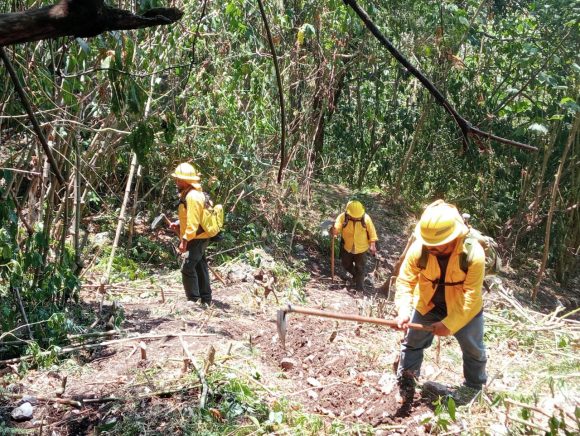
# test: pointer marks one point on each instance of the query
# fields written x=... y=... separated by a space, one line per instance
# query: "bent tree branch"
x=31 y=116
x=78 y=18
x=280 y=93
x=466 y=127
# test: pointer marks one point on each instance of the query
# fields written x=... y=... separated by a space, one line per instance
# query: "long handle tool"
x=282 y=323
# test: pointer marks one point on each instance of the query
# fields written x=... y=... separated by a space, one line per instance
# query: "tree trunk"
x=120 y=225
x=411 y=149
x=555 y=187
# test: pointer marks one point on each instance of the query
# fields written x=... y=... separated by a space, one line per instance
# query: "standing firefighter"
x=436 y=287
x=193 y=239
x=358 y=237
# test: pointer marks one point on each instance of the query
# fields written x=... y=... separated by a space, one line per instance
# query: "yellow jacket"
x=415 y=288
x=190 y=213
x=355 y=237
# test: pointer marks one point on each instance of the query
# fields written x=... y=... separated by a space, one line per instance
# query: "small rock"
x=28 y=399
x=312 y=395
x=498 y=429
x=313 y=382
x=327 y=412
x=358 y=412
x=288 y=363
x=387 y=383
x=101 y=239
x=436 y=389
x=23 y=412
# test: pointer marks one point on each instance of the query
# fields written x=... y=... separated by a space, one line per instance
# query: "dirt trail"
x=337 y=370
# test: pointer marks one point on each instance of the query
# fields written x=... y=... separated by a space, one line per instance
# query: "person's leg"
x=470 y=340
x=189 y=271
x=359 y=270
x=347 y=260
x=413 y=345
x=203 y=276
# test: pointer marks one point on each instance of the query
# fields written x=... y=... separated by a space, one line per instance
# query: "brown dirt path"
x=338 y=370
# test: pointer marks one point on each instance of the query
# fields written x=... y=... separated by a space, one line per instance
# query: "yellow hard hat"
x=440 y=224
x=355 y=209
x=186 y=172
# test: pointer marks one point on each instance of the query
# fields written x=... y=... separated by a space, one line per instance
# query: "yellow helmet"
x=355 y=209
x=440 y=224
x=186 y=172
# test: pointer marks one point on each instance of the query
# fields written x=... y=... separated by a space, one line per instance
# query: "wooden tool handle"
x=332 y=257
x=348 y=317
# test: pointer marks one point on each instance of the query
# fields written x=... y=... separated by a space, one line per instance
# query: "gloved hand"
x=403 y=321
x=373 y=249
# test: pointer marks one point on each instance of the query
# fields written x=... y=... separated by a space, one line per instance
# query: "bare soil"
x=337 y=370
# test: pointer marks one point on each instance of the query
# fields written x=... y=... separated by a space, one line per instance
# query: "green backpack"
x=493 y=264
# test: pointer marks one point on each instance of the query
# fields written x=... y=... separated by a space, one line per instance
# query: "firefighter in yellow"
x=433 y=289
x=358 y=236
x=193 y=239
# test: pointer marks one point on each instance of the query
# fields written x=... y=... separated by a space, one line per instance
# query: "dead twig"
x=198 y=370
x=67 y=350
x=528 y=406
x=528 y=424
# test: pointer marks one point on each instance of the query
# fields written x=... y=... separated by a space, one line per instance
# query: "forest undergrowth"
x=151 y=364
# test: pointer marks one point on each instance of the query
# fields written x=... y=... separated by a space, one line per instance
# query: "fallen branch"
x=466 y=127
x=80 y=402
x=78 y=18
x=94 y=335
x=67 y=350
x=528 y=406
x=528 y=424
x=66 y=401
x=28 y=108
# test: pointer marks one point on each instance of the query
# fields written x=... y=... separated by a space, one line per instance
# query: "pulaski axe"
x=282 y=323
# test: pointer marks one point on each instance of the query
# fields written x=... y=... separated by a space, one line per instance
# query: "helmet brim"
x=186 y=178
x=460 y=230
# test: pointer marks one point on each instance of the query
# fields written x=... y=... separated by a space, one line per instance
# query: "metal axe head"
x=282 y=326
x=157 y=221
x=324 y=226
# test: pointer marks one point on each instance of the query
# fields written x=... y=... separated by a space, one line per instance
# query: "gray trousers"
x=470 y=339
x=195 y=272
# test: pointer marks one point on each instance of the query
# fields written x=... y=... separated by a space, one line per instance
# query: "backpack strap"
x=362 y=220
x=183 y=196
x=466 y=255
x=422 y=263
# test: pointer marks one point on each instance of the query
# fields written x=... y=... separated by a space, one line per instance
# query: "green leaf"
x=141 y=140
x=451 y=408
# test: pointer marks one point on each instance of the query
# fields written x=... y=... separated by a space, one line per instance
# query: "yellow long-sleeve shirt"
x=190 y=213
x=415 y=286
x=354 y=235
